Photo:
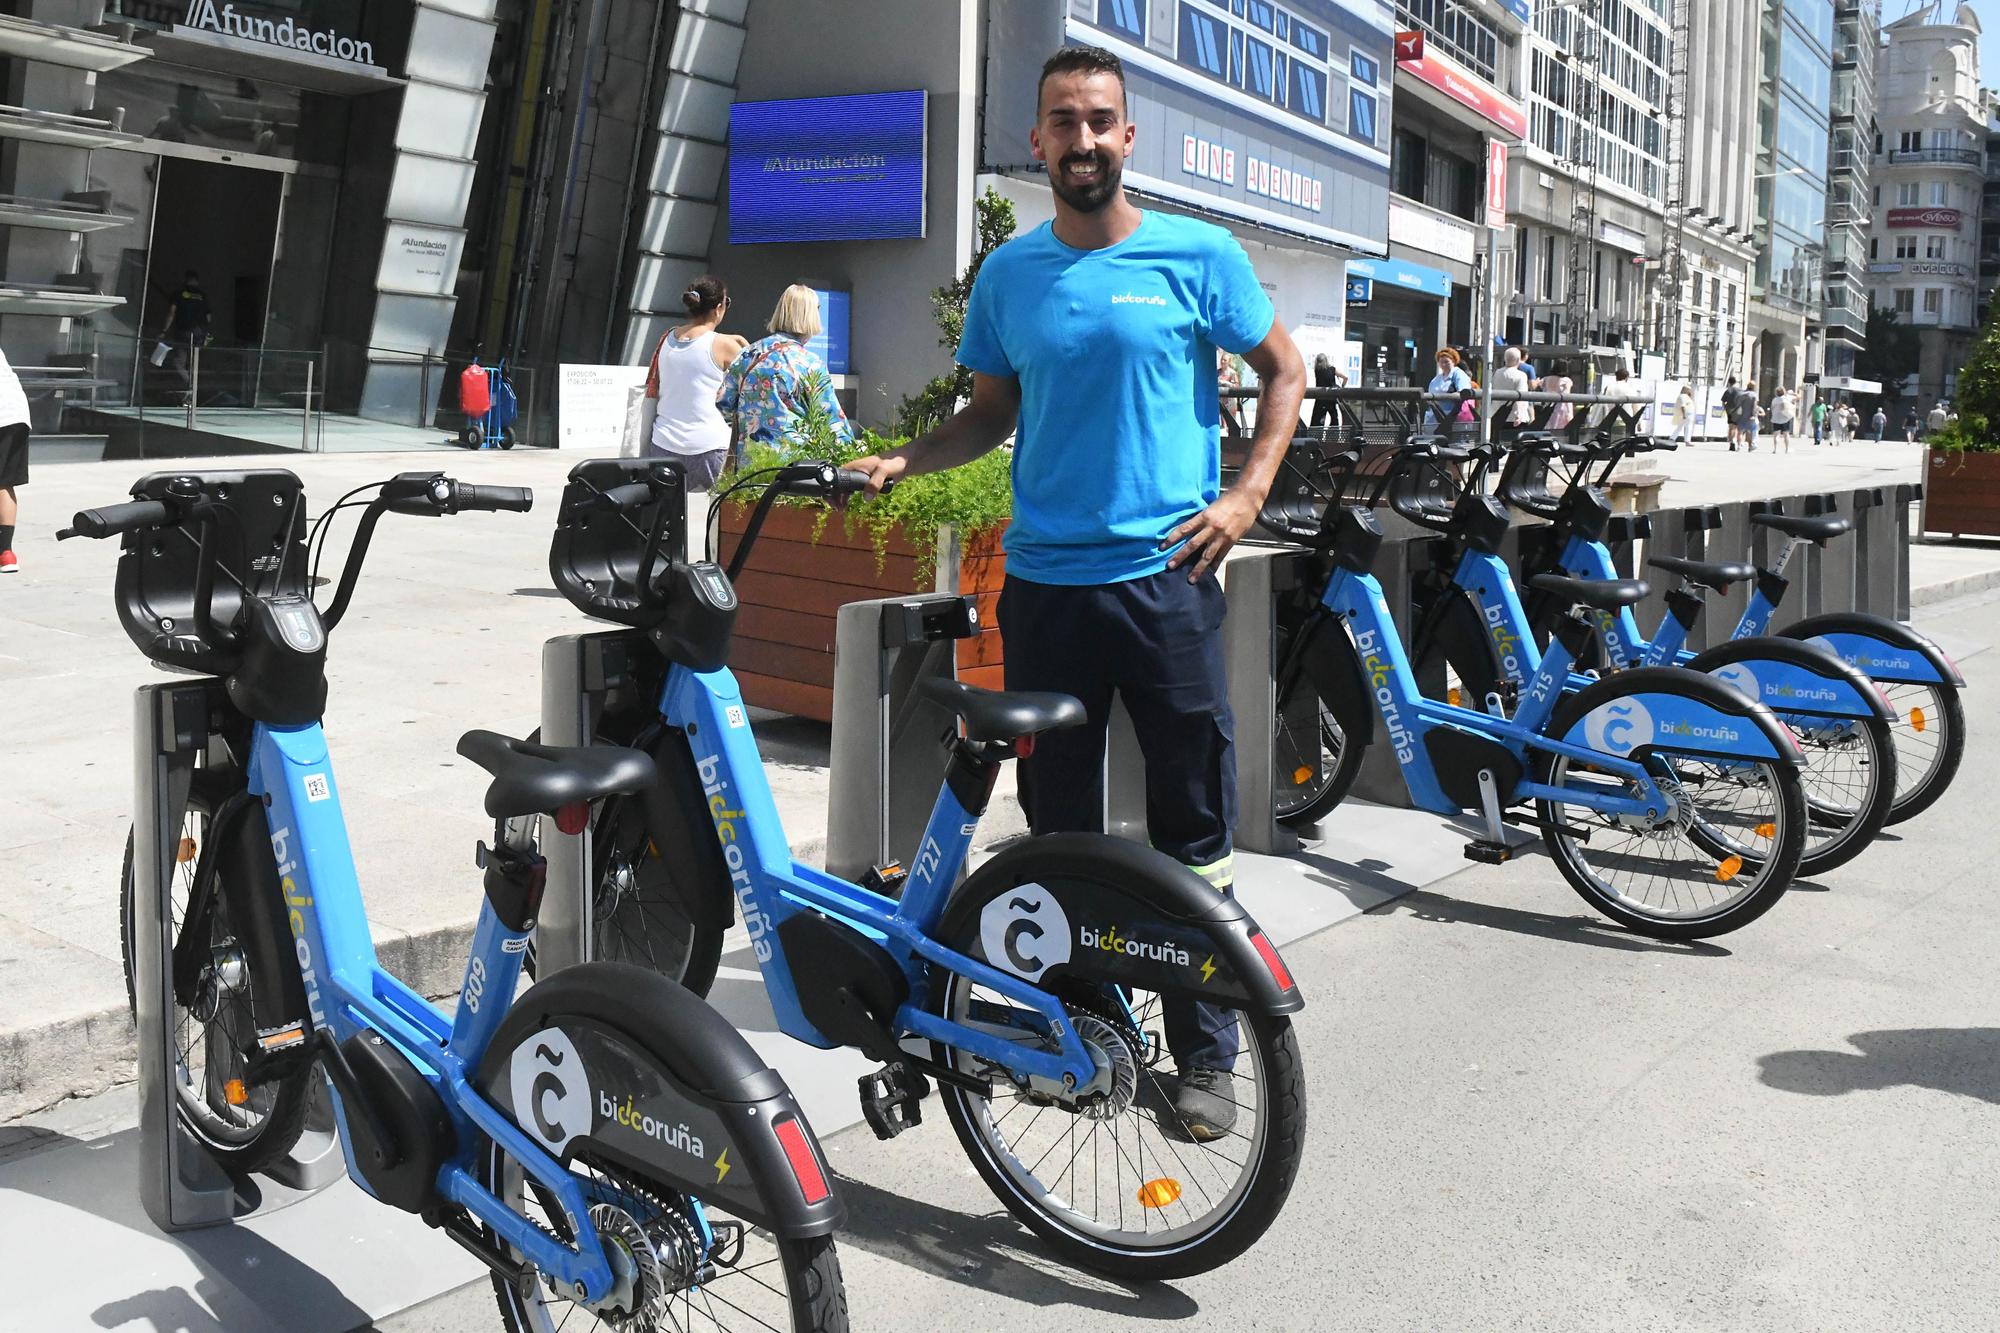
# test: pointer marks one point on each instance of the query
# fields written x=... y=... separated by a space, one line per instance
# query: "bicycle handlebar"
x=116 y=520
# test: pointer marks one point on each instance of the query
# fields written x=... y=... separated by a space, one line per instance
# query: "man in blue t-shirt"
x=1097 y=334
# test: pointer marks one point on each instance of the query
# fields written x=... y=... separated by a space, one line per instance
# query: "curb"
x=1964 y=585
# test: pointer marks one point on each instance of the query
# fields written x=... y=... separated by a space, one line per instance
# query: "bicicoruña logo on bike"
x=709 y=769
x=1025 y=930
x=550 y=1091
x=1619 y=727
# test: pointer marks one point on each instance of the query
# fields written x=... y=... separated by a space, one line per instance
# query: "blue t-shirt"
x=1115 y=353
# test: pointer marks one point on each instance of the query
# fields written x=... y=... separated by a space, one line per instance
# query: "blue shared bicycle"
x=1669 y=800
x=1044 y=996
x=604 y=1141
x=1473 y=616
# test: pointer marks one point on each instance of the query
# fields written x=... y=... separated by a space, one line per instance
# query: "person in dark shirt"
x=187 y=327
x=1326 y=375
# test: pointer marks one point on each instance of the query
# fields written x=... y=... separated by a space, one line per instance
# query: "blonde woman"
x=767 y=389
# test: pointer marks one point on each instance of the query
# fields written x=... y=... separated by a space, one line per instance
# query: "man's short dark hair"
x=1081 y=60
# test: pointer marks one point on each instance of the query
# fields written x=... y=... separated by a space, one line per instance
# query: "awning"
x=1402 y=273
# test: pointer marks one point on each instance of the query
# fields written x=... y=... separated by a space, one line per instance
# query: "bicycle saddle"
x=1604 y=594
x=1000 y=715
x=530 y=779
x=1709 y=575
x=1813 y=527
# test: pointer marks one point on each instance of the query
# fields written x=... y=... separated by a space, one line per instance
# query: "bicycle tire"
x=815 y=1296
x=1306 y=801
x=1780 y=823
x=1929 y=779
x=1854 y=830
x=284 y=1113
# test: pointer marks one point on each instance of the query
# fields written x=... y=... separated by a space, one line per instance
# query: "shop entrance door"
x=221 y=221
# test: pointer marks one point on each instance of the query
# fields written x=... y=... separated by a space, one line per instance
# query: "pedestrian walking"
x=1939 y=418
x=1512 y=378
x=1684 y=416
x=1226 y=378
x=1326 y=375
x=1449 y=379
x=1558 y=381
x=13 y=460
x=1819 y=422
x=685 y=378
x=1879 y=423
x=1729 y=396
x=1783 y=409
x=766 y=389
x=1746 y=420
x=1113 y=549
x=1910 y=424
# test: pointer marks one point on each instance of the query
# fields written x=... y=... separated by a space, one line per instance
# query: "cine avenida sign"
x=207 y=16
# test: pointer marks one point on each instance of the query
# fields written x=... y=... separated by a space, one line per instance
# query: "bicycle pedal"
x=1487 y=852
x=887 y=880
x=888 y=1103
x=280 y=1052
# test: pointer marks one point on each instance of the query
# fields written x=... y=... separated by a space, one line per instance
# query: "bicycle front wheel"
x=1929 y=732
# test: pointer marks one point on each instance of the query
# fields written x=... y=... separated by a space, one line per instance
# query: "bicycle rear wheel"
x=1929 y=733
x=1674 y=877
x=691 y=1265
x=1849 y=777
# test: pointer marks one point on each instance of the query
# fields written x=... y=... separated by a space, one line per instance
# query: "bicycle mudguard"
x=1326 y=659
x=1793 y=677
x=620 y=1061
x=1081 y=905
x=1648 y=708
x=1882 y=648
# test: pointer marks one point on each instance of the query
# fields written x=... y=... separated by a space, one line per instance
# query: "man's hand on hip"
x=1210 y=534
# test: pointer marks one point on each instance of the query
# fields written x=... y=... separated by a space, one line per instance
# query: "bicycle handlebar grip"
x=113 y=520
x=517 y=498
x=847 y=481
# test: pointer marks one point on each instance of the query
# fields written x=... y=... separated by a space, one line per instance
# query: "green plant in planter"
x=1977 y=429
x=972 y=500
x=929 y=406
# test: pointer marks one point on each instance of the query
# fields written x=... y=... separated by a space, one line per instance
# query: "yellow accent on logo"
x=1207 y=969
x=722 y=1166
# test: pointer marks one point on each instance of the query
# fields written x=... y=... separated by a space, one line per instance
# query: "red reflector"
x=1279 y=972
x=805 y=1167
x=1024 y=745
x=573 y=818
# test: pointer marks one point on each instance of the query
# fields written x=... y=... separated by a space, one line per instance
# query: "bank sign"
x=229 y=21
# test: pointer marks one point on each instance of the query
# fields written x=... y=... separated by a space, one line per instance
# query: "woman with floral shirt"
x=767 y=388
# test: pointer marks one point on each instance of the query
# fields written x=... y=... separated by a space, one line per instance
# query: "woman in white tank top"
x=685 y=377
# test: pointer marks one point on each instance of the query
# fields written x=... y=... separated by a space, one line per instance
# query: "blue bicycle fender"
x=1882 y=648
x=1685 y=711
x=1083 y=906
x=1794 y=677
x=618 y=1060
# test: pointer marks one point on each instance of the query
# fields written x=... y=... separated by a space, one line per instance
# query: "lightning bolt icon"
x=722 y=1166
x=1207 y=968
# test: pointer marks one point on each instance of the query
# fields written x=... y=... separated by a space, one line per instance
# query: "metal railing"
x=1964 y=157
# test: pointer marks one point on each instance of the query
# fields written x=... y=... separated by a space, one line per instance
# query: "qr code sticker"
x=316 y=788
x=735 y=716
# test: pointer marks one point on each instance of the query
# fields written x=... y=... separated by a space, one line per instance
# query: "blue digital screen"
x=831 y=345
x=827 y=169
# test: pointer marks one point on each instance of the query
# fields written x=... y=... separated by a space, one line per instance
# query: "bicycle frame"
x=348 y=992
x=1356 y=599
x=770 y=887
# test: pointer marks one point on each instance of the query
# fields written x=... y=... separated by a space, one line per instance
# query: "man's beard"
x=1088 y=198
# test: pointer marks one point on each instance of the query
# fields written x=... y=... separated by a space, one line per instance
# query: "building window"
x=1309 y=40
x=1365 y=69
x=1257 y=74
x=1873 y=246
x=1308 y=93
x=1202 y=42
x=1906 y=194
x=1934 y=247
x=1262 y=14
x=1910 y=141
x=1361 y=115
x=1940 y=194
x=1125 y=17
x=1933 y=300
x=1906 y=300
x=1906 y=247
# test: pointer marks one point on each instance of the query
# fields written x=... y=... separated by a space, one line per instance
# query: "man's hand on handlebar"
x=881 y=470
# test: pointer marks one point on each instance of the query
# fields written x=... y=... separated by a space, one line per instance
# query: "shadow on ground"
x=1963 y=1061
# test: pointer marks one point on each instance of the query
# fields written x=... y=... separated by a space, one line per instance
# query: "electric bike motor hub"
x=1669 y=825
x=649 y=1263
x=1115 y=1082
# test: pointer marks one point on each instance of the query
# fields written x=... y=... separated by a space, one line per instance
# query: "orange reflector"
x=185 y=853
x=235 y=1092
x=1301 y=776
x=1767 y=830
x=1728 y=869
x=1452 y=696
x=1917 y=718
x=1159 y=1193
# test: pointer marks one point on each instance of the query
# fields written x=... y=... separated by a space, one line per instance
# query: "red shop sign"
x=1925 y=217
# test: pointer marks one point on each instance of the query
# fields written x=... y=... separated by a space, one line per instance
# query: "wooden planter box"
x=1962 y=493
x=792 y=591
